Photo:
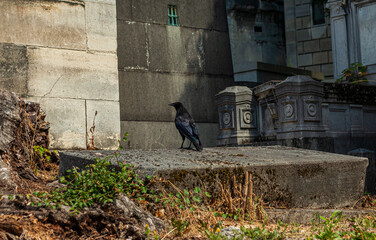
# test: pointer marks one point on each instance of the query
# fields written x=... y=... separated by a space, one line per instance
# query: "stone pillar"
x=370 y=183
x=300 y=115
x=339 y=36
x=237 y=116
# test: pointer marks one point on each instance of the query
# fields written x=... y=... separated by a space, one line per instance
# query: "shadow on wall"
x=208 y=56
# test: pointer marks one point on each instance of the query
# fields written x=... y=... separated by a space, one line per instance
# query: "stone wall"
x=308 y=46
x=256 y=30
x=353 y=35
x=62 y=53
x=160 y=64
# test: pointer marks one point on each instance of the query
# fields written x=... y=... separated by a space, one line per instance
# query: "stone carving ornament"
x=247 y=117
x=288 y=110
x=311 y=109
x=226 y=118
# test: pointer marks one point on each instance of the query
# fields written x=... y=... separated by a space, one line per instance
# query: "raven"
x=186 y=126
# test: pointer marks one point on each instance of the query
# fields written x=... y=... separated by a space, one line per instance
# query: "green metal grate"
x=172 y=15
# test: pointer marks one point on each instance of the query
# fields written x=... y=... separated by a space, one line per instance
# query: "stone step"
x=290 y=176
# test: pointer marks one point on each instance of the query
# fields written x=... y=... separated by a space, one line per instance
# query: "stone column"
x=339 y=36
x=299 y=101
x=237 y=116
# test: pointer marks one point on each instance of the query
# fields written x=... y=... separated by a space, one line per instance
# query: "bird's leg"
x=182 y=142
x=190 y=143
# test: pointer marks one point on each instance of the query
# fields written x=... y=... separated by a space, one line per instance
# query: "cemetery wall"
x=308 y=44
x=160 y=64
x=62 y=54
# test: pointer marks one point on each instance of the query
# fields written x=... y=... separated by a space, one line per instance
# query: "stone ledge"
x=295 y=177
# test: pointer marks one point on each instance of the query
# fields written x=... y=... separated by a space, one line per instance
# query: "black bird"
x=186 y=126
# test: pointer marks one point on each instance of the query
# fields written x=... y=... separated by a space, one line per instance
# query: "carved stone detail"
x=311 y=106
x=248 y=118
x=226 y=116
x=289 y=110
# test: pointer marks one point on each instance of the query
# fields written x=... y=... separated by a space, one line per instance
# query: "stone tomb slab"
x=291 y=176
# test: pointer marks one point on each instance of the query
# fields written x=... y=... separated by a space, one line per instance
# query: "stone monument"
x=237 y=116
x=299 y=101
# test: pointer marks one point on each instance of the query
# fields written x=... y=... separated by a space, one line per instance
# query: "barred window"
x=172 y=15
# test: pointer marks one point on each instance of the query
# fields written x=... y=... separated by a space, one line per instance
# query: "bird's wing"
x=183 y=126
x=193 y=126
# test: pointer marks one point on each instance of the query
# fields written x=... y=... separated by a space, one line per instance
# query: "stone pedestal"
x=237 y=116
x=299 y=105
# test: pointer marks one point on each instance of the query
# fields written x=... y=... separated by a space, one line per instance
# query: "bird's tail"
x=197 y=144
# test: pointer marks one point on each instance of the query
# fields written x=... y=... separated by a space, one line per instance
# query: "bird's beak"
x=171 y=104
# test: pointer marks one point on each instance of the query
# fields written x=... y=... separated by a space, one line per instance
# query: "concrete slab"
x=295 y=177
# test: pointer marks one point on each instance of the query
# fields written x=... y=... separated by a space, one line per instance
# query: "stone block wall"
x=63 y=55
x=160 y=64
x=308 y=46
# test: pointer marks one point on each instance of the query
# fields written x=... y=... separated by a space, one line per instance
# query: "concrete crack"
x=53 y=86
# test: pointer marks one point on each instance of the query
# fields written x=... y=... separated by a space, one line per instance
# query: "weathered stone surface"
x=367 y=34
x=13 y=68
x=123 y=10
x=217 y=56
x=296 y=177
x=306 y=21
x=325 y=44
x=129 y=209
x=303 y=10
x=210 y=14
x=187 y=50
x=320 y=57
x=311 y=46
x=35 y=23
x=72 y=74
x=132 y=45
x=327 y=69
x=107 y=123
x=140 y=91
x=231 y=232
x=305 y=59
x=173 y=49
x=300 y=48
x=101 y=26
x=67 y=119
x=315 y=68
x=151 y=135
x=303 y=35
x=319 y=32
